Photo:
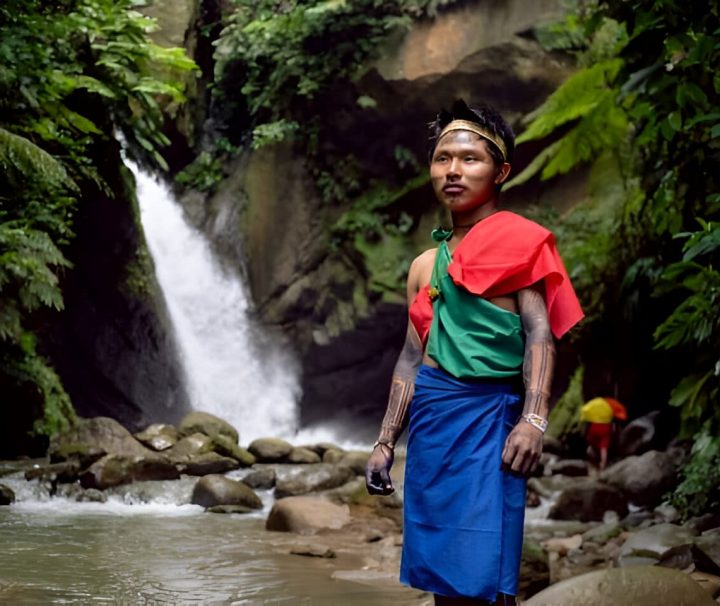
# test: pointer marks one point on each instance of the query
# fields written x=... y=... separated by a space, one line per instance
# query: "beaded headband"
x=478 y=130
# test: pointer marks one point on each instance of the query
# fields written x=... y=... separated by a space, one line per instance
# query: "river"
x=140 y=547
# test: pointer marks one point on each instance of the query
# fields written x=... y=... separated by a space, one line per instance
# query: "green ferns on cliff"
x=71 y=74
x=646 y=95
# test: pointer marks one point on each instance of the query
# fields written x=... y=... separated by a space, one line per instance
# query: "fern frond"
x=577 y=97
x=22 y=160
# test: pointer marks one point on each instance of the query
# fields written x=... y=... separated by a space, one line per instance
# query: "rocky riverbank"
x=585 y=531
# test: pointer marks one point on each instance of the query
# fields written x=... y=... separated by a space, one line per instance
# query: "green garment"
x=469 y=336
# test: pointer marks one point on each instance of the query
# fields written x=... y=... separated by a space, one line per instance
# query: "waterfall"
x=234 y=369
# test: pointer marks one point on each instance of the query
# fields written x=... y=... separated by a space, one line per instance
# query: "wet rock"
x=569 y=467
x=644 y=478
x=355 y=460
x=638 y=435
x=261 y=479
x=637 y=519
x=634 y=586
x=666 y=513
x=65 y=472
x=311 y=478
x=91 y=495
x=194 y=444
x=306 y=515
x=303 y=456
x=270 y=450
x=90 y=439
x=7 y=496
x=647 y=546
x=534 y=568
x=709 y=542
x=532 y=498
x=561 y=545
x=314 y=551
x=224 y=446
x=114 y=470
x=230 y=509
x=689 y=558
x=704 y=522
x=207 y=463
x=210 y=425
x=552 y=445
x=588 y=501
x=322 y=447
x=603 y=533
x=158 y=436
x=214 y=490
x=333 y=456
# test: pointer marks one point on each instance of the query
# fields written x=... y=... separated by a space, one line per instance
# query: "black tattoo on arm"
x=539 y=361
x=401 y=388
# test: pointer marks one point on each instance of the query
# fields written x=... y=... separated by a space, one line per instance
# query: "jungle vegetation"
x=72 y=75
x=642 y=105
x=646 y=97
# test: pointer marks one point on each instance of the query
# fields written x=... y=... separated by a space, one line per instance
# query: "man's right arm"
x=377 y=473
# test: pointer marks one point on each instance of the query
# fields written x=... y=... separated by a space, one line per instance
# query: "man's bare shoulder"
x=420 y=270
x=423 y=260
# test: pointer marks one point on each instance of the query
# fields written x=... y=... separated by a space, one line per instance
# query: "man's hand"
x=377 y=470
x=523 y=448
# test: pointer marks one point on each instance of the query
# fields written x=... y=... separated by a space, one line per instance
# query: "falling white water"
x=234 y=371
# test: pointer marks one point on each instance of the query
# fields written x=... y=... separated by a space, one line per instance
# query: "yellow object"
x=596 y=410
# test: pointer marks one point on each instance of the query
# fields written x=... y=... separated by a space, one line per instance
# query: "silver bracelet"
x=536 y=421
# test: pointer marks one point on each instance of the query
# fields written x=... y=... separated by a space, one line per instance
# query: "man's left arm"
x=524 y=444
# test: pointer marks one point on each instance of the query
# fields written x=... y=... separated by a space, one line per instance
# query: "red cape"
x=503 y=254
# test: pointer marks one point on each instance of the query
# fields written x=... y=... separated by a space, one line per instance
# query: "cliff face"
x=113 y=345
x=338 y=294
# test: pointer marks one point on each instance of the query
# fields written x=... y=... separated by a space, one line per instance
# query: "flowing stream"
x=146 y=544
x=234 y=370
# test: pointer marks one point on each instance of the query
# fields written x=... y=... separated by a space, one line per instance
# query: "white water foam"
x=233 y=370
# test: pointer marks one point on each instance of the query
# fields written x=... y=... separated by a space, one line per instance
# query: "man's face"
x=463 y=173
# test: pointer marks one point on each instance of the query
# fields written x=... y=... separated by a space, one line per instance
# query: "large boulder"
x=638 y=435
x=207 y=463
x=355 y=460
x=262 y=478
x=644 y=479
x=303 y=456
x=7 y=496
x=191 y=445
x=90 y=439
x=225 y=446
x=158 y=436
x=213 y=490
x=311 y=478
x=635 y=586
x=306 y=515
x=208 y=424
x=648 y=545
x=270 y=450
x=114 y=470
x=588 y=501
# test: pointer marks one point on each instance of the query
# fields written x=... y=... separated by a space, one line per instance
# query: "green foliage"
x=204 y=173
x=646 y=93
x=71 y=75
x=565 y=416
x=289 y=52
x=699 y=491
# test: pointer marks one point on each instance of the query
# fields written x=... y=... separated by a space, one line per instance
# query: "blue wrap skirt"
x=463 y=515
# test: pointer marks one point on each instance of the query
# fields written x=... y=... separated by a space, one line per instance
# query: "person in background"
x=472 y=381
x=601 y=416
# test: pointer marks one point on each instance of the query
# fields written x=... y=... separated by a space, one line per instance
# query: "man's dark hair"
x=483 y=115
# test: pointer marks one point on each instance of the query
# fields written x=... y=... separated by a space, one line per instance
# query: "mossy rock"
x=208 y=424
x=270 y=450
